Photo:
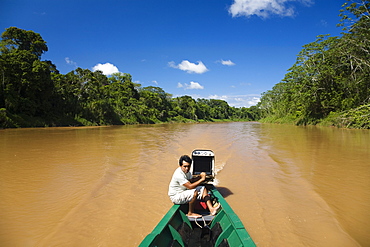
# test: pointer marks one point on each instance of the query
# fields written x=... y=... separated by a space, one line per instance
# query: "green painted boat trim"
x=166 y=233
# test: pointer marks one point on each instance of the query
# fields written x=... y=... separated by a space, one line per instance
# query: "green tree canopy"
x=26 y=82
x=330 y=75
x=18 y=39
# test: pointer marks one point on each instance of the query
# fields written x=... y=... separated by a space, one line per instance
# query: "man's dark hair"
x=185 y=158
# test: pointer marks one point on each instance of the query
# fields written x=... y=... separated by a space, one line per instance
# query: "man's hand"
x=195 y=182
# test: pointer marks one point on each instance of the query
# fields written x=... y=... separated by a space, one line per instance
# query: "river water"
x=107 y=186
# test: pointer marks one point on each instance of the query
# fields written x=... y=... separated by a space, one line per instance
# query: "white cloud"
x=247 y=100
x=189 y=67
x=106 y=68
x=324 y=23
x=192 y=85
x=227 y=62
x=70 y=62
x=254 y=101
x=238 y=100
x=264 y=8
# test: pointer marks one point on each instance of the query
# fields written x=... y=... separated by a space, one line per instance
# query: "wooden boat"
x=223 y=229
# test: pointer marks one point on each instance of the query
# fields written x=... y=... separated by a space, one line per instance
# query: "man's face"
x=185 y=167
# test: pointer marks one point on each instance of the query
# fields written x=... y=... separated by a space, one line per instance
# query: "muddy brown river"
x=107 y=186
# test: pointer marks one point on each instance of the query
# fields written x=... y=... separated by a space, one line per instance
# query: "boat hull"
x=176 y=229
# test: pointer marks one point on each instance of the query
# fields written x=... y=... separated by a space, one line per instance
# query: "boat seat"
x=207 y=218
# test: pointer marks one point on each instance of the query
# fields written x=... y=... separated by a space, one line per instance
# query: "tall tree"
x=185 y=107
x=18 y=39
x=156 y=103
x=355 y=50
x=124 y=96
x=26 y=80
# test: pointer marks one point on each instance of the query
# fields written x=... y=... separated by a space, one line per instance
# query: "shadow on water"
x=225 y=192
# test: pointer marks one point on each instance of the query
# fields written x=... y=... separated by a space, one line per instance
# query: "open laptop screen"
x=202 y=164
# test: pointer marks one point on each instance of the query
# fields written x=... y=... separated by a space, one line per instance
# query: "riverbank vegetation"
x=330 y=82
x=34 y=93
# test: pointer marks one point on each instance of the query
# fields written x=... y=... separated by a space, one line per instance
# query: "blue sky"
x=222 y=49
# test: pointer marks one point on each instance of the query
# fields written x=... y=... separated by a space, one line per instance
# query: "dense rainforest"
x=34 y=93
x=329 y=84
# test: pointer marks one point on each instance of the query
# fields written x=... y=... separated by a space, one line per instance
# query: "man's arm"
x=193 y=185
x=194 y=179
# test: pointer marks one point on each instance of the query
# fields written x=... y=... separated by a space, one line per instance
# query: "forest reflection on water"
x=107 y=186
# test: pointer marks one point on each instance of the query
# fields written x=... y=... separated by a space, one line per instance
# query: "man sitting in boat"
x=183 y=189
